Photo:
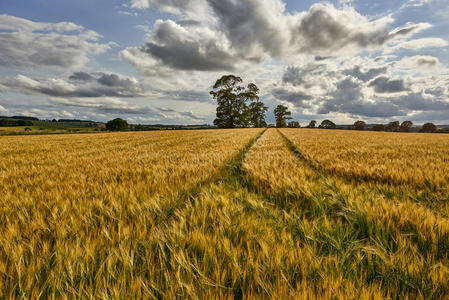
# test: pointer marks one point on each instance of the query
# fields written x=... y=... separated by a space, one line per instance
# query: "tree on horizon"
x=232 y=110
x=117 y=124
x=256 y=112
x=359 y=125
x=328 y=124
x=406 y=126
x=312 y=124
x=282 y=114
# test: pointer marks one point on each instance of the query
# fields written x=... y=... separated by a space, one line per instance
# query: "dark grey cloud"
x=186 y=23
x=383 y=84
x=293 y=76
x=113 y=80
x=348 y=92
x=105 y=105
x=298 y=98
x=251 y=24
x=187 y=114
x=440 y=117
x=358 y=73
x=321 y=58
x=187 y=95
x=427 y=61
x=166 y=110
x=321 y=29
x=188 y=56
x=349 y=98
x=81 y=76
x=380 y=109
x=421 y=102
x=190 y=115
x=380 y=58
x=179 y=49
x=79 y=85
x=437 y=92
x=297 y=76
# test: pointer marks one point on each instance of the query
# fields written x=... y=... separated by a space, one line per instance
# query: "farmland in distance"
x=242 y=213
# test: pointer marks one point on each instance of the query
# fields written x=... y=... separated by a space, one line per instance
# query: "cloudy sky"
x=154 y=61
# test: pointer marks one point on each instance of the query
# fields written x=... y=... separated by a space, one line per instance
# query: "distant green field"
x=8 y=128
x=22 y=130
x=45 y=127
x=64 y=124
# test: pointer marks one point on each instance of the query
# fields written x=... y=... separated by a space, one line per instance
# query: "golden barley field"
x=225 y=214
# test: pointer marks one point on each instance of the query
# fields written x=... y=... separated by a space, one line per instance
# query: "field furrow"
x=403 y=167
x=411 y=159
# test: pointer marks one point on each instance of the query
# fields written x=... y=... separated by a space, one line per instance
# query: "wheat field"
x=225 y=214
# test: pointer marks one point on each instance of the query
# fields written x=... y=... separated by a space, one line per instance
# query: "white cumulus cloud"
x=24 y=43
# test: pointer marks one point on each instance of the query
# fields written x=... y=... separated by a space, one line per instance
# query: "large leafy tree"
x=282 y=114
x=328 y=124
x=256 y=109
x=294 y=124
x=406 y=126
x=379 y=127
x=429 y=127
x=393 y=126
x=312 y=124
x=359 y=125
x=231 y=96
x=256 y=112
x=117 y=125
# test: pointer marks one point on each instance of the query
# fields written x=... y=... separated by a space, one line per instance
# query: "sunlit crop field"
x=243 y=213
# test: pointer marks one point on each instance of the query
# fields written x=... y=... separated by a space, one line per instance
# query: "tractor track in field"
x=385 y=183
x=322 y=170
x=347 y=177
x=329 y=183
x=329 y=177
x=228 y=172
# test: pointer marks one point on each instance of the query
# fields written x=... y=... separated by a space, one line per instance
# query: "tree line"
x=15 y=122
x=396 y=126
x=239 y=106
